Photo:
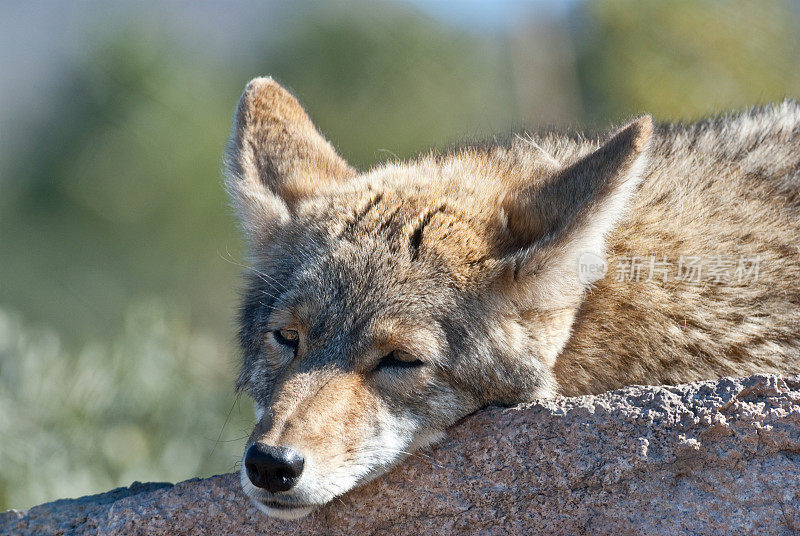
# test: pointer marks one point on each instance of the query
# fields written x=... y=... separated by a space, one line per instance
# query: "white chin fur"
x=294 y=513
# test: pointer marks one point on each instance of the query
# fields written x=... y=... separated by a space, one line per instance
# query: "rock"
x=716 y=457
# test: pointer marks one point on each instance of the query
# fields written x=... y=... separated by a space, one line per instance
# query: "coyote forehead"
x=381 y=307
x=419 y=224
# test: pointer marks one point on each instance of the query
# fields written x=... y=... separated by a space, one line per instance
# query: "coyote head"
x=384 y=306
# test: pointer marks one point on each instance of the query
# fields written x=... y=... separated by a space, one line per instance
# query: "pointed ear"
x=560 y=224
x=275 y=158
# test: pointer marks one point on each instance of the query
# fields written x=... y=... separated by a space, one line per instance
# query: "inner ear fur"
x=276 y=157
x=554 y=222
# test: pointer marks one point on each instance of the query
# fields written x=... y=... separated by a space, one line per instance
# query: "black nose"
x=273 y=468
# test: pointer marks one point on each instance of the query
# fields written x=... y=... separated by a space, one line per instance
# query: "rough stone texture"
x=705 y=458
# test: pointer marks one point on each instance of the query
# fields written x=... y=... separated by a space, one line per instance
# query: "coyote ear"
x=559 y=224
x=276 y=157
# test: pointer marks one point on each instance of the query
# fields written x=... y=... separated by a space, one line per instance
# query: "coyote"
x=381 y=307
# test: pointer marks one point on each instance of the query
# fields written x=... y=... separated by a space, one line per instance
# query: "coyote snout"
x=300 y=445
x=327 y=433
x=382 y=307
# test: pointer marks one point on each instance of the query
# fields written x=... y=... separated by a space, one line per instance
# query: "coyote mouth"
x=269 y=505
x=277 y=505
x=282 y=510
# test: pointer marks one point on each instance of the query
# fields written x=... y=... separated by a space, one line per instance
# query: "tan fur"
x=327 y=423
x=467 y=263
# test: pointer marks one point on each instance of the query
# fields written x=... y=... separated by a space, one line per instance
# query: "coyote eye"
x=398 y=359
x=287 y=337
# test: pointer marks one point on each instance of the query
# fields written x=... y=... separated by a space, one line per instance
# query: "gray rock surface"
x=718 y=457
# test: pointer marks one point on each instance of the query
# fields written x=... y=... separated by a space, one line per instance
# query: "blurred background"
x=118 y=251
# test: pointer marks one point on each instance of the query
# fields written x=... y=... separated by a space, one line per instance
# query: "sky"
x=490 y=14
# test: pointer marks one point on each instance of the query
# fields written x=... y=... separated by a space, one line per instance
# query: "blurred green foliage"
x=146 y=405
x=117 y=192
x=381 y=86
x=119 y=252
x=683 y=59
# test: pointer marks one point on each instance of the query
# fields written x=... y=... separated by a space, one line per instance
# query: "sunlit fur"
x=467 y=260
